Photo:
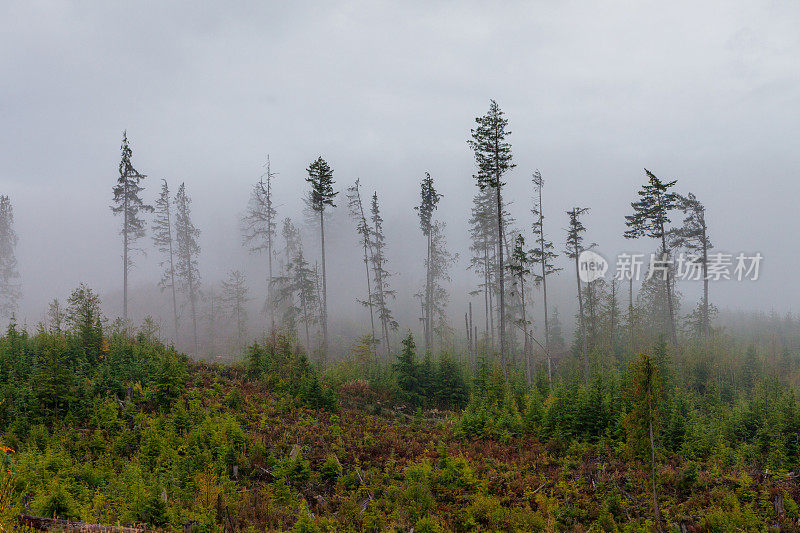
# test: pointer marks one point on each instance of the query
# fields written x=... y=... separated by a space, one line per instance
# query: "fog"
x=705 y=94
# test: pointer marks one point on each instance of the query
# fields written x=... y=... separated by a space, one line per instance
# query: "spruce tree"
x=543 y=255
x=407 y=369
x=320 y=197
x=575 y=232
x=650 y=218
x=493 y=158
x=10 y=289
x=259 y=225
x=643 y=418
x=429 y=199
x=188 y=250
x=163 y=240
x=128 y=203
x=84 y=319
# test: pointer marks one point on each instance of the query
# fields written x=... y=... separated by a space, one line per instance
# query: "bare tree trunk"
x=271 y=302
x=487 y=276
x=613 y=314
x=581 y=321
x=369 y=292
x=324 y=291
x=427 y=314
x=630 y=312
x=172 y=276
x=706 y=318
x=667 y=277
x=544 y=290
x=474 y=345
x=469 y=335
x=501 y=275
x=303 y=303
x=193 y=302
x=525 y=345
x=125 y=258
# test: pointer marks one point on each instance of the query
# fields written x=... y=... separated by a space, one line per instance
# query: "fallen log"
x=41 y=523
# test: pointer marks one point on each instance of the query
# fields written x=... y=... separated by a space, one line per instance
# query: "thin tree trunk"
x=303 y=303
x=125 y=256
x=706 y=318
x=544 y=289
x=487 y=294
x=271 y=302
x=367 y=257
x=428 y=299
x=613 y=314
x=324 y=291
x=581 y=321
x=469 y=335
x=172 y=273
x=369 y=292
x=474 y=345
x=192 y=301
x=525 y=344
x=501 y=275
x=630 y=312
x=667 y=276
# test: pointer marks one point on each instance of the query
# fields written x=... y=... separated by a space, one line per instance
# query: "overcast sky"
x=703 y=92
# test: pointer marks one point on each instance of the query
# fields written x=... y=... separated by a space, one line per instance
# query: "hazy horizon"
x=386 y=93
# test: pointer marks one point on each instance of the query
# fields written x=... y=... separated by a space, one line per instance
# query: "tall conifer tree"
x=650 y=218
x=259 y=226
x=163 y=240
x=320 y=197
x=188 y=250
x=429 y=199
x=128 y=203
x=493 y=158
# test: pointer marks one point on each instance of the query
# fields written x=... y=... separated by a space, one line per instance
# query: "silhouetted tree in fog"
x=693 y=237
x=518 y=265
x=356 y=206
x=429 y=199
x=483 y=233
x=650 y=219
x=493 y=158
x=296 y=288
x=321 y=195
x=574 y=248
x=543 y=255
x=163 y=240
x=128 y=203
x=10 y=290
x=439 y=265
x=234 y=300
x=188 y=250
x=383 y=290
x=259 y=227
